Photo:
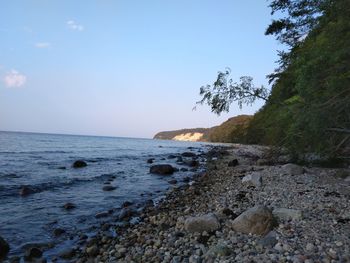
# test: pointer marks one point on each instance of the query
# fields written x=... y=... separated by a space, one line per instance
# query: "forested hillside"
x=308 y=108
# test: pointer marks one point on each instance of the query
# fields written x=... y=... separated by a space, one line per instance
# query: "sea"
x=43 y=162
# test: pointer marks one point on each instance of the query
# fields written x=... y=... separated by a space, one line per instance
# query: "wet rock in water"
x=58 y=232
x=163 y=169
x=287 y=214
x=184 y=170
x=257 y=220
x=79 y=164
x=4 y=248
x=33 y=253
x=171 y=156
x=192 y=163
x=67 y=253
x=92 y=251
x=62 y=168
x=186 y=179
x=127 y=203
x=208 y=223
x=292 y=169
x=125 y=214
x=151 y=160
x=252 y=179
x=179 y=159
x=101 y=215
x=174 y=181
x=233 y=163
x=26 y=190
x=108 y=188
x=188 y=154
x=69 y=206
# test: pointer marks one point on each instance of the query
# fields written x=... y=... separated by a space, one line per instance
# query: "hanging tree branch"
x=224 y=91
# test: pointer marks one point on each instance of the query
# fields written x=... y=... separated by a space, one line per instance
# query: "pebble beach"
x=244 y=208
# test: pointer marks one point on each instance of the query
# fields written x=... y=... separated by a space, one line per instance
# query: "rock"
x=163 y=169
x=79 y=164
x=4 y=248
x=188 y=154
x=220 y=250
x=33 y=253
x=26 y=190
x=125 y=214
x=58 y=232
x=233 y=163
x=226 y=213
x=101 y=214
x=257 y=220
x=184 y=170
x=174 y=181
x=108 y=188
x=62 y=168
x=310 y=247
x=127 y=204
x=67 y=253
x=151 y=160
x=69 y=206
x=171 y=156
x=208 y=223
x=192 y=163
x=270 y=240
x=179 y=159
x=292 y=169
x=252 y=179
x=287 y=214
x=92 y=251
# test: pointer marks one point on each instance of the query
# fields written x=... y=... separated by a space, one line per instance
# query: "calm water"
x=34 y=159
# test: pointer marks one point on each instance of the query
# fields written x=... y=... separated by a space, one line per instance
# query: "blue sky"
x=125 y=68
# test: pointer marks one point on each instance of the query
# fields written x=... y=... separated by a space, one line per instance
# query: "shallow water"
x=37 y=160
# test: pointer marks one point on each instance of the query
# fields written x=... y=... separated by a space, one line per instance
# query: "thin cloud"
x=14 y=79
x=74 y=26
x=42 y=45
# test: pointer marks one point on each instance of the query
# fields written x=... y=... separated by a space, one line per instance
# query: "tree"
x=224 y=91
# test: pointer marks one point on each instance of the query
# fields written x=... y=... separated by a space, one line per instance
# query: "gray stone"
x=287 y=214
x=67 y=253
x=270 y=240
x=208 y=223
x=257 y=220
x=252 y=179
x=219 y=250
x=292 y=169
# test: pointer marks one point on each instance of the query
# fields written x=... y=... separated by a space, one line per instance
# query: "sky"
x=127 y=68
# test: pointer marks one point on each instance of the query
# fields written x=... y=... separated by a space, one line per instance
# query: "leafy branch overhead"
x=224 y=91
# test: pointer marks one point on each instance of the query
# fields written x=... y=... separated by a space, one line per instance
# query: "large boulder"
x=257 y=220
x=79 y=164
x=33 y=253
x=292 y=169
x=252 y=179
x=164 y=169
x=208 y=223
x=4 y=248
x=287 y=214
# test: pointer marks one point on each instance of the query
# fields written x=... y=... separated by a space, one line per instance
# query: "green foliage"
x=308 y=110
x=232 y=130
x=224 y=91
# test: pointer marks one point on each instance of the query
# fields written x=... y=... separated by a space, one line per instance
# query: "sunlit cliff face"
x=190 y=137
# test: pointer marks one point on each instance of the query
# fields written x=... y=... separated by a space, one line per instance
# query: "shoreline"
x=310 y=223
